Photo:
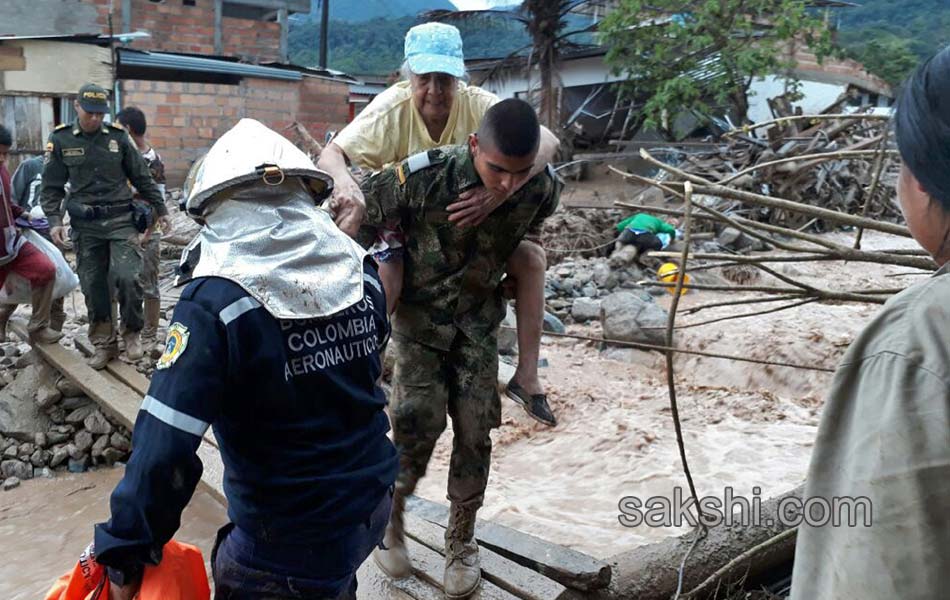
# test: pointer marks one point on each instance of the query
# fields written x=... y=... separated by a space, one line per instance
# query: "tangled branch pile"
x=827 y=160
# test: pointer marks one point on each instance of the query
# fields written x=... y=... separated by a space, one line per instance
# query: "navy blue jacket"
x=296 y=410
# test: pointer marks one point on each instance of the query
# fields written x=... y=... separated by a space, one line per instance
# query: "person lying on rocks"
x=646 y=232
x=446 y=328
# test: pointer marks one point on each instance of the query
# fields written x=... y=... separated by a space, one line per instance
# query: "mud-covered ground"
x=745 y=425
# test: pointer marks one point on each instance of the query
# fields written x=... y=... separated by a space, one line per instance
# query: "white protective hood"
x=271 y=238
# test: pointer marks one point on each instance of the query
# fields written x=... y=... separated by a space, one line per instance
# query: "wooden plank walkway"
x=569 y=567
x=496 y=569
x=514 y=565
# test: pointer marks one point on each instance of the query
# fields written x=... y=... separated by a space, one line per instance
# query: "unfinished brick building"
x=194 y=66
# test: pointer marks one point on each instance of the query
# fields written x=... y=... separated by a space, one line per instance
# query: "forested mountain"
x=376 y=46
x=891 y=36
x=366 y=36
x=365 y=10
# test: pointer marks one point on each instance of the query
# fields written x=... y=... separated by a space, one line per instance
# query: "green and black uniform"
x=99 y=167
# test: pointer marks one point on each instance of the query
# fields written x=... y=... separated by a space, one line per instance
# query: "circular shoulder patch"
x=175 y=345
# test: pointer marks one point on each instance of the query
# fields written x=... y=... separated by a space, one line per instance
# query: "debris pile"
x=49 y=424
x=831 y=161
x=579 y=232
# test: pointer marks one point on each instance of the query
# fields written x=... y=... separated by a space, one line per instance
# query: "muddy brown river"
x=46 y=523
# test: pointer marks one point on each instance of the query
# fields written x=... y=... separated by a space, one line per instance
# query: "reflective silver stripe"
x=368 y=279
x=238 y=308
x=177 y=419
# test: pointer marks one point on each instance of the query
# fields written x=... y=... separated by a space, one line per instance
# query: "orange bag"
x=180 y=576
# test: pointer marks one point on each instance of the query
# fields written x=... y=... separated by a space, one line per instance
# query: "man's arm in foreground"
x=183 y=399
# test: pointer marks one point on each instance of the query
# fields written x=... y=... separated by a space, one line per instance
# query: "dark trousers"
x=642 y=241
x=247 y=569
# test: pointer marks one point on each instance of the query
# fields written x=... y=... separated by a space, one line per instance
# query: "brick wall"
x=255 y=41
x=102 y=8
x=324 y=106
x=185 y=119
x=174 y=26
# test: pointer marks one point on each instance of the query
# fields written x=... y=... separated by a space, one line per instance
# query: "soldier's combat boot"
x=133 y=346
x=463 y=570
x=393 y=557
x=101 y=357
x=40 y=333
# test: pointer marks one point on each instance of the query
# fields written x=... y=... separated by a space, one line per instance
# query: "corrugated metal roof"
x=181 y=62
x=367 y=90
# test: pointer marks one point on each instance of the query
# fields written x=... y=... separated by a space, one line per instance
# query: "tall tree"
x=546 y=21
x=702 y=55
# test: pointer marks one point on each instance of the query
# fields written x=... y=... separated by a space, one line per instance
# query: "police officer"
x=99 y=160
x=446 y=325
x=276 y=343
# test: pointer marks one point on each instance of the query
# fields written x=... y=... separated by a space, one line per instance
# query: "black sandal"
x=536 y=405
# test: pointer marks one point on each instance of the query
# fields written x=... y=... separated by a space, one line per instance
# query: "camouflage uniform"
x=445 y=328
x=99 y=167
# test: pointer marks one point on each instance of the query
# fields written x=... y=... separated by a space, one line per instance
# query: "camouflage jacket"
x=452 y=275
x=98 y=168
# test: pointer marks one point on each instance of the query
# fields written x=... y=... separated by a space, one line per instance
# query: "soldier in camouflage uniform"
x=445 y=327
x=99 y=160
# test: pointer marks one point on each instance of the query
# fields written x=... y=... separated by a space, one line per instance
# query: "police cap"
x=93 y=98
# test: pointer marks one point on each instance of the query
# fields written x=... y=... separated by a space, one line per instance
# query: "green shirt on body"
x=645 y=222
x=452 y=275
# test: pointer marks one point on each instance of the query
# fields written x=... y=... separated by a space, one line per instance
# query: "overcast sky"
x=473 y=4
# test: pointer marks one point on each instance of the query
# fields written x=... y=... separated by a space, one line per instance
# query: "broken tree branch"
x=708 y=187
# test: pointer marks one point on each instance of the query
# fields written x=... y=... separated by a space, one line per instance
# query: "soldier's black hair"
x=922 y=126
x=511 y=127
x=6 y=138
x=133 y=119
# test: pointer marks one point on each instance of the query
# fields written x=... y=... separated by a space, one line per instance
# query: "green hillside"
x=376 y=46
x=891 y=36
x=366 y=10
x=888 y=36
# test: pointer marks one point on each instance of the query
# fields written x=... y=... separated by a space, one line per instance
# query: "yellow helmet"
x=667 y=273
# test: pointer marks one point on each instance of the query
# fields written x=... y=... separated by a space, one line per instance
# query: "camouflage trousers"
x=150 y=265
x=105 y=263
x=428 y=384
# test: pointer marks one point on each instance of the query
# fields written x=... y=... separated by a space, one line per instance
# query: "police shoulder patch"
x=61 y=126
x=175 y=345
x=117 y=126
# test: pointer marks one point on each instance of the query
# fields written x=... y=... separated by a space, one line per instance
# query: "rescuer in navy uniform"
x=275 y=343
